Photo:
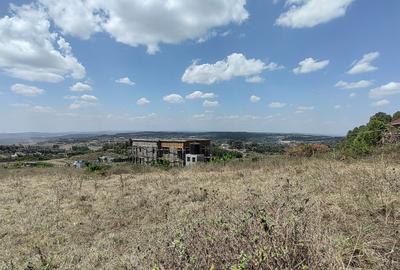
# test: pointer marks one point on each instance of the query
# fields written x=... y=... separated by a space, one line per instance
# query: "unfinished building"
x=174 y=152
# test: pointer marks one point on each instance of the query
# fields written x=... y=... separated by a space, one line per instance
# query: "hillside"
x=277 y=213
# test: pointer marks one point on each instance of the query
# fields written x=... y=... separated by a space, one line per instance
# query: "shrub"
x=307 y=150
x=220 y=154
x=97 y=168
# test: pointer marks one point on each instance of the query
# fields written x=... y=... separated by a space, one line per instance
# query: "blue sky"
x=309 y=66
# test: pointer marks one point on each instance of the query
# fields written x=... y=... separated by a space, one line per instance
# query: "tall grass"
x=277 y=213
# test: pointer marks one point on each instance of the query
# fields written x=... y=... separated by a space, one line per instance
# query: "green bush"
x=361 y=140
x=97 y=168
x=219 y=154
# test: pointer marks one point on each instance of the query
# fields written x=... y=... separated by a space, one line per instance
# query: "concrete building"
x=175 y=152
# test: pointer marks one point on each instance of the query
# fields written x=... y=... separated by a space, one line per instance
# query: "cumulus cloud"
x=365 y=64
x=200 y=95
x=149 y=23
x=83 y=101
x=235 y=65
x=310 y=65
x=142 y=101
x=89 y=98
x=210 y=104
x=352 y=95
x=74 y=17
x=81 y=87
x=337 y=107
x=26 y=90
x=30 y=51
x=309 y=13
x=255 y=99
x=353 y=85
x=392 y=88
x=381 y=103
x=276 y=105
x=173 y=98
x=126 y=81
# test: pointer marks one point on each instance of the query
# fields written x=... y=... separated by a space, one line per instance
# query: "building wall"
x=174 y=152
x=144 y=152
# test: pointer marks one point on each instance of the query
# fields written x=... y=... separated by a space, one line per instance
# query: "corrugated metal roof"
x=396 y=122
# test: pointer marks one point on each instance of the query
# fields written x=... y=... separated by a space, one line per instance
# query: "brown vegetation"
x=278 y=213
x=307 y=150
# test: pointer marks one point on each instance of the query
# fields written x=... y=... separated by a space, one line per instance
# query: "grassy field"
x=277 y=213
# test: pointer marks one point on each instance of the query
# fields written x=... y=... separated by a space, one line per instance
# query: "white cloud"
x=81 y=87
x=309 y=13
x=34 y=108
x=255 y=99
x=143 y=117
x=173 y=98
x=392 y=88
x=236 y=65
x=126 y=81
x=310 y=65
x=255 y=79
x=200 y=95
x=74 y=17
x=353 y=85
x=29 y=51
x=210 y=104
x=364 y=65
x=42 y=109
x=26 y=90
x=149 y=23
x=82 y=101
x=305 y=108
x=277 y=105
x=274 y=66
x=142 y=101
x=352 y=95
x=381 y=103
x=337 y=107
x=71 y=97
x=201 y=116
x=89 y=98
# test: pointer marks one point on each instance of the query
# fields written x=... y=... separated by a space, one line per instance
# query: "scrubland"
x=274 y=213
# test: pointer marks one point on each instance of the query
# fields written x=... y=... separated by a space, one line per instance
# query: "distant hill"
x=37 y=137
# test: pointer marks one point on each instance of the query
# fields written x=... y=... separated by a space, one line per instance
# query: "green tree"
x=375 y=131
x=383 y=117
x=396 y=115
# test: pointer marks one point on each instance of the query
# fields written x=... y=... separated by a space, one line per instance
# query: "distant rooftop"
x=396 y=122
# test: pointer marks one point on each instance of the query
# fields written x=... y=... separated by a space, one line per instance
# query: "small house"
x=79 y=164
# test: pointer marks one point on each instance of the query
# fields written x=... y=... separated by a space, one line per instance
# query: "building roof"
x=396 y=122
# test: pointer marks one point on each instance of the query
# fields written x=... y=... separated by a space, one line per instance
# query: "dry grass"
x=272 y=214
